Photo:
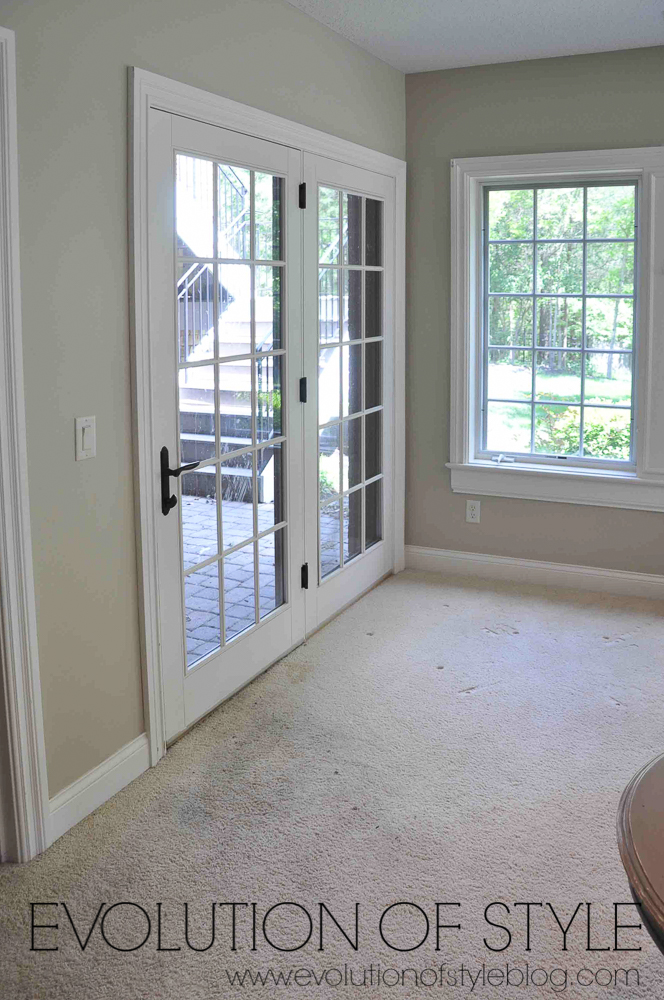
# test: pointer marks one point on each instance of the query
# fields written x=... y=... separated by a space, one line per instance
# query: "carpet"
x=450 y=742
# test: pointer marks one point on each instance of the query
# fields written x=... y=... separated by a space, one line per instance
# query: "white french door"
x=275 y=504
x=225 y=334
x=349 y=282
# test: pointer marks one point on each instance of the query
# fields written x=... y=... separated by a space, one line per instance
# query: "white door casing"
x=25 y=828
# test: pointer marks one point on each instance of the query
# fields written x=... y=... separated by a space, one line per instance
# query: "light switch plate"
x=86 y=438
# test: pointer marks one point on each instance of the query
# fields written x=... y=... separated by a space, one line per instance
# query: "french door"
x=349 y=344
x=271 y=352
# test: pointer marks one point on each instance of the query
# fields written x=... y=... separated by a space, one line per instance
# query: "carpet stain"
x=619 y=640
x=502 y=630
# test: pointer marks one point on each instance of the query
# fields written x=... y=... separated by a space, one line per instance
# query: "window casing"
x=620 y=464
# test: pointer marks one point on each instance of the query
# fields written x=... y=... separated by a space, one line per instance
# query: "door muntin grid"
x=584 y=401
x=350 y=377
x=231 y=359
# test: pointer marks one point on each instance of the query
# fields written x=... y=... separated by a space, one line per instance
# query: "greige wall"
x=72 y=111
x=602 y=101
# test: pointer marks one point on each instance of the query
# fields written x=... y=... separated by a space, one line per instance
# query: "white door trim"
x=24 y=804
x=146 y=91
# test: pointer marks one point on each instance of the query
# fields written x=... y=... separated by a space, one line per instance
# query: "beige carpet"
x=441 y=741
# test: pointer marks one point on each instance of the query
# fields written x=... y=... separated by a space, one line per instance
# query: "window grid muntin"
x=215 y=361
x=534 y=296
x=341 y=266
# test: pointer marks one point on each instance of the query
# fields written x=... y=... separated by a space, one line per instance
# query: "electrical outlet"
x=473 y=511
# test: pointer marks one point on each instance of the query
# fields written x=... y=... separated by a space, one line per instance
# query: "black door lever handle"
x=168 y=501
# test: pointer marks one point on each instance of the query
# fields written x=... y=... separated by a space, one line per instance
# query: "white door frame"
x=24 y=806
x=148 y=90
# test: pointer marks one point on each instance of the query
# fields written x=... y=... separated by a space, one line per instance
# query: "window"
x=555 y=357
x=559 y=321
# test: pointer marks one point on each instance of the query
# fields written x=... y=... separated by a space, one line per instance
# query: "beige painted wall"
x=72 y=101
x=602 y=101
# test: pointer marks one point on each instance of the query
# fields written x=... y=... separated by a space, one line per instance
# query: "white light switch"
x=86 y=438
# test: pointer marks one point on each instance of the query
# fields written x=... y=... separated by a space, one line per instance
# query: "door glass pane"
x=271 y=575
x=195 y=304
x=270 y=487
x=329 y=538
x=269 y=200
x=267 y=295
x=194 y=206
x=328 y=384
x=374 y=304
x=328 y=226
x=352 y=229
x=234 y=405
x=352 y=379
x=234 y=309
x=234 y=208
x=352 y=525
x=374 y=507
x=239 y=596
x=373 y=395
x=196 y=402
x=373 y=443
x=374 y=232
x=268 y=396
x=237 y=504
x=328 y=462
x=201 y=613
x=328 y=305
x=352 y=305
x=352 y=453
x=199 y=515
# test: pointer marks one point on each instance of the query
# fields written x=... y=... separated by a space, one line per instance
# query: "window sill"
x=580 y=486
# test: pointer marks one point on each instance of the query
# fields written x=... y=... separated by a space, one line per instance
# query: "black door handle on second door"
x=168 y=501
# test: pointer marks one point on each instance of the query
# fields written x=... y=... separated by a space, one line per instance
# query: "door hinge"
x=303 y=195
x=304 y=575
x=303 y=390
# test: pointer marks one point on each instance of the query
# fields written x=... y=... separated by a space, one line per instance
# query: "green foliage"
x=327 y=487
x=557 y=433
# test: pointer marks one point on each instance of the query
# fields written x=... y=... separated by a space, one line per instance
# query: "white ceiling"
x=419 y=35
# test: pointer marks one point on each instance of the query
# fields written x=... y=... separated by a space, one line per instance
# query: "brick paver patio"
x=201 y=588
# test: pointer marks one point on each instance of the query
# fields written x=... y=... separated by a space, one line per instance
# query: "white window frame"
x=637 y=486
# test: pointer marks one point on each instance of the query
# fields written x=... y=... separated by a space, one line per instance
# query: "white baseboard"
x=612 y=581
x=86 y=794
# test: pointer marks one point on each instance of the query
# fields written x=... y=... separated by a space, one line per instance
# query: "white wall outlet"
x=473 y=511
x=86 y=438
